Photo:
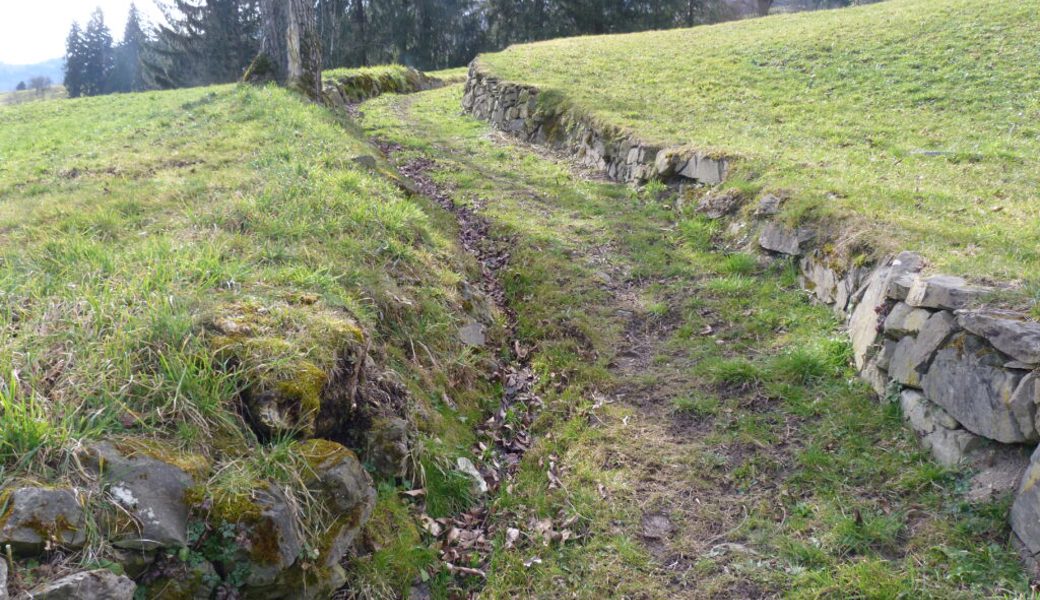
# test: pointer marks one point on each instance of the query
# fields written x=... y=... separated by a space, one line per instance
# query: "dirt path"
x=702 y=436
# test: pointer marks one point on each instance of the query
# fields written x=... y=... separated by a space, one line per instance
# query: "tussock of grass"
x=842 y=108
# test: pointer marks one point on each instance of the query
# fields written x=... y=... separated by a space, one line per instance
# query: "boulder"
x=777 y=237
x=3 y=580
x=905 y=320
x=968 y=379
x=943 y=291
x=150 y=490
x=36 y=518
x=344 y=486
x=87 y=585
x=1009 y=332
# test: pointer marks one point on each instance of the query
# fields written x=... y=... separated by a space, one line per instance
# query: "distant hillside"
x=10 y=75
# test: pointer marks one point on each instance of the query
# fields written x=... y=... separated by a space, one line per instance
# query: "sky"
x=33 y=31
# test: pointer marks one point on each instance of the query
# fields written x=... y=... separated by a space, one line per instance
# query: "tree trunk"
x=764 y=6
x=291 y=50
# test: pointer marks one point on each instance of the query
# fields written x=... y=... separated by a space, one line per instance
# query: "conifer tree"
x=75 y=68
x=97 y=56
x=128 y=75
x=204 y=42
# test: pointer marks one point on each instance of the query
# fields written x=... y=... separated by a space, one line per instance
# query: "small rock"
x=1009 y=332
x=717 y=204
x=968 y=379
x=777 y=237
x=466 y=466
x=863 y=324
x=387 y=446
x=905 y=320
x=150 y=490
x=472 y=334
x=884 y=357
x=768 y=206
x=705 y=170
x=36 y=517
x=365 y=161
x=942 y=291
x=905 y=267
x=953 y=447
x=3 y=580
x=1025 y=512
x=923 y=415
x=87 y=585
x=657 y=526
x=912 y=356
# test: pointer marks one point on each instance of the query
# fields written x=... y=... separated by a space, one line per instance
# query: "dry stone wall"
x=522 y=110
x=357 y=87
x=966 y=376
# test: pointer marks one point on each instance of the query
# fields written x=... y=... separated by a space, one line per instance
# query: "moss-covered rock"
x=35 y=519
x=147 y=482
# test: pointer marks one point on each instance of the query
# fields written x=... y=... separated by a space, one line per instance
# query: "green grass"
x=162 y=252
x=756 y=436
x=836 y=109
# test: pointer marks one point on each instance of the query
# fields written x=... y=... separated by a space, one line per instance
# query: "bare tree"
x=40 y=84
x=291 y=50
x=764 y=6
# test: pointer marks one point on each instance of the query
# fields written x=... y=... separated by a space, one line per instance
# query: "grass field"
x=913 y=122
x=134 y=227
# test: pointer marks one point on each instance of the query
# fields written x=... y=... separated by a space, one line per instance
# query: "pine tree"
x=75 y=68
x=128 y=75
x=204 y=42
x=97 y=56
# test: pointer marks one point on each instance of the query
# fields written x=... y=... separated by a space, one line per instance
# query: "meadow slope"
x=907 y=124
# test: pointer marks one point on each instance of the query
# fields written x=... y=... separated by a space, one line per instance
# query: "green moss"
x=318 y=452
x=305 y=389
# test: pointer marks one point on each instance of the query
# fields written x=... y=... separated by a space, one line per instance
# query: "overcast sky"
x=33 y=31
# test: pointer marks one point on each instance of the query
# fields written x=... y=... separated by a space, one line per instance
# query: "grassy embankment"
x=908 y=124
x=699 y=387
x=131 y=224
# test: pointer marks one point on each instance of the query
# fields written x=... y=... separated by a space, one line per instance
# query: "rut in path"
x=675 y=392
